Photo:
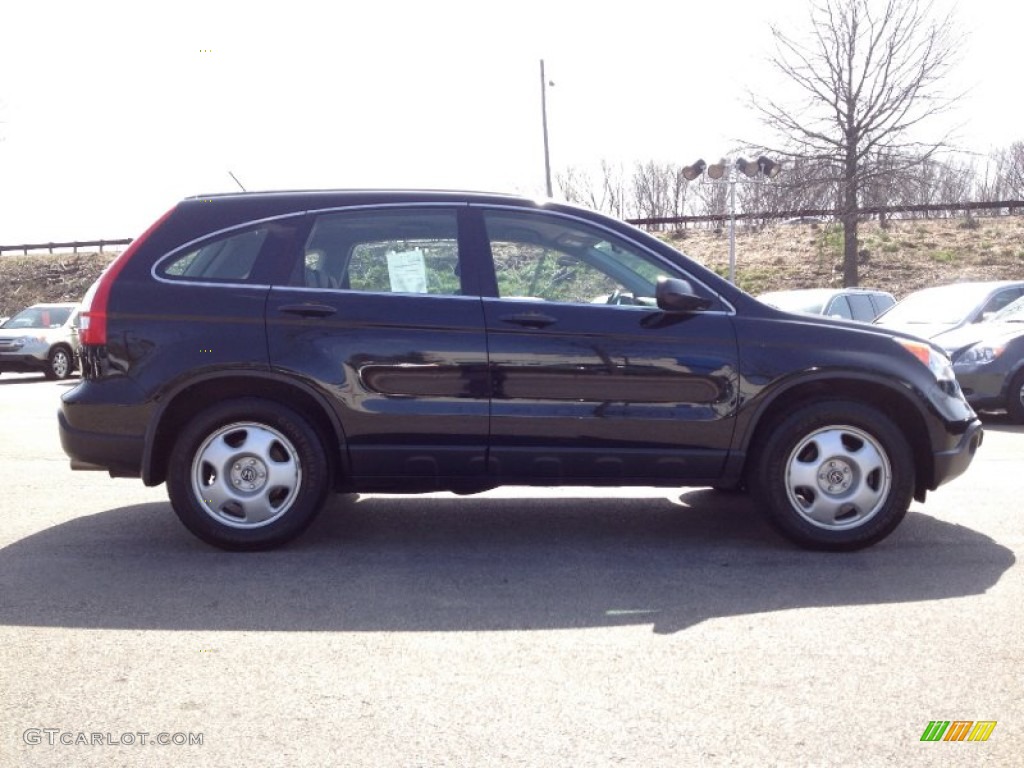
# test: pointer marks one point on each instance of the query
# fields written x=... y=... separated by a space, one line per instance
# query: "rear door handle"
x=530 y=319
x=308 y=310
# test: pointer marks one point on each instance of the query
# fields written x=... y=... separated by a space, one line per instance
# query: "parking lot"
x=519 y=627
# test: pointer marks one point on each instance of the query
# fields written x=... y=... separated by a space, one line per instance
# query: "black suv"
x=256 y=351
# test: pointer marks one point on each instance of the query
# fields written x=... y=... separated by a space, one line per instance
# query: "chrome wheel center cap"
x=248 y=474
x=835 y=476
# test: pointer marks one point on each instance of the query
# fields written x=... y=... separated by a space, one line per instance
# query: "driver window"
x=542 y=257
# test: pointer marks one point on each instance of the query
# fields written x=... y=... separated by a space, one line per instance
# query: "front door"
x=590 y=381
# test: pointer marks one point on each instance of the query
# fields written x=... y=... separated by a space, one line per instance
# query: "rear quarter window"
x=230 y=258
x=861 y=306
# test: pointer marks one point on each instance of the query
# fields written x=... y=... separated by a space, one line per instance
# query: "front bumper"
x=24 y=360
x=983 y=388
x=954 y=461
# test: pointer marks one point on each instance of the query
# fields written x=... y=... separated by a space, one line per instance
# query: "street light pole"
x=732 y=225
x=544 y=121
x=763 y=166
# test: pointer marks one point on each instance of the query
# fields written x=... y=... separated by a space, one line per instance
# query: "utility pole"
x=544 y=121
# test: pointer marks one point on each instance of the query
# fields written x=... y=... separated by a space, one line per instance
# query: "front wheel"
x=59 y=364
x=835 y=475
x=247 y=474
x=1015 y=398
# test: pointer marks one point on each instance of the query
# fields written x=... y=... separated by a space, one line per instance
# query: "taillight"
x=92 y=327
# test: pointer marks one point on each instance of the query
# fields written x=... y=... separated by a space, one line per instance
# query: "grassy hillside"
x=904 y=257
x=26 y=280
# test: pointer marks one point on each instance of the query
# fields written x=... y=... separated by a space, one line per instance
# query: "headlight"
x=937 y=362
x=979 y=354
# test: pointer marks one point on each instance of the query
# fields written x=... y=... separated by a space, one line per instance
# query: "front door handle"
x=308 y=310
x=530 y=319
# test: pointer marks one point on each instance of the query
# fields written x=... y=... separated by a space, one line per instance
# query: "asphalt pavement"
x=520 y=627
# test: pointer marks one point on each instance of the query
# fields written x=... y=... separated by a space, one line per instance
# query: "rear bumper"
x=954 y=461
x=120 y=455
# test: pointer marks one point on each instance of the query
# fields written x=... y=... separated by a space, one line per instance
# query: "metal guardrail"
x=73 y=245
x=887 y=210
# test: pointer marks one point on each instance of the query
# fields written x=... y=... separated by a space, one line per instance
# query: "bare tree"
x=869 y=75
x=606 y=193
x=1009 y=172
x=658 y=189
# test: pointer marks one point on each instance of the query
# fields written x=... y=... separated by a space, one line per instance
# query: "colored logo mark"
x=958 y=730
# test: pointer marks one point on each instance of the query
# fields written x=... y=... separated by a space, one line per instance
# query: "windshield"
x=40 y=317
x=948 y=305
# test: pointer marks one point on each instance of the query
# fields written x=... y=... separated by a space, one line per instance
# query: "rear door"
x=380 y=316
x=590 y=380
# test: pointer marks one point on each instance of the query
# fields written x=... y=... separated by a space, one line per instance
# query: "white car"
x=43 y=337
x=932 y=311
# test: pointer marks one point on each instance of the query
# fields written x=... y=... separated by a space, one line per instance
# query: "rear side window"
x=840 y=307
x=862 y=308
x=882 y=302
x=394 y=251
x=230 y=258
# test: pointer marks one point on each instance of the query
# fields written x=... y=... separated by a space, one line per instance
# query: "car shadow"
x=482 y=564
x=6 y=380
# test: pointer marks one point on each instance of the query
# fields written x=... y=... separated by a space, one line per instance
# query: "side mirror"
x=675 y=295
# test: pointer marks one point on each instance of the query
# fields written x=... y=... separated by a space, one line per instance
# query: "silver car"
x=43 y=337
x=847 y=303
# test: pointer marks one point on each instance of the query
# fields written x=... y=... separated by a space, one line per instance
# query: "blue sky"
x=110 y=111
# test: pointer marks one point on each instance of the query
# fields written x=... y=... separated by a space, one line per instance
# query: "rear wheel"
x=835 y=475
x=59 y=364
x=247 y=474
x=1015 y=398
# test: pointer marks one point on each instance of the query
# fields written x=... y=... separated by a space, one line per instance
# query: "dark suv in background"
x=257 y=351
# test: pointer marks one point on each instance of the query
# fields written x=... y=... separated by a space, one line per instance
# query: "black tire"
x=247 y=474
x=835 y=475
x=1015 y=398
x=59 y=364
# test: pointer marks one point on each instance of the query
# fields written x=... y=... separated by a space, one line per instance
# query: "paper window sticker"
x=407 y=271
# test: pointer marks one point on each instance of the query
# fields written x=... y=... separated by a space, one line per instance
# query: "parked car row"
x=988 y=359
x=41 y=338
x=980 y=325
